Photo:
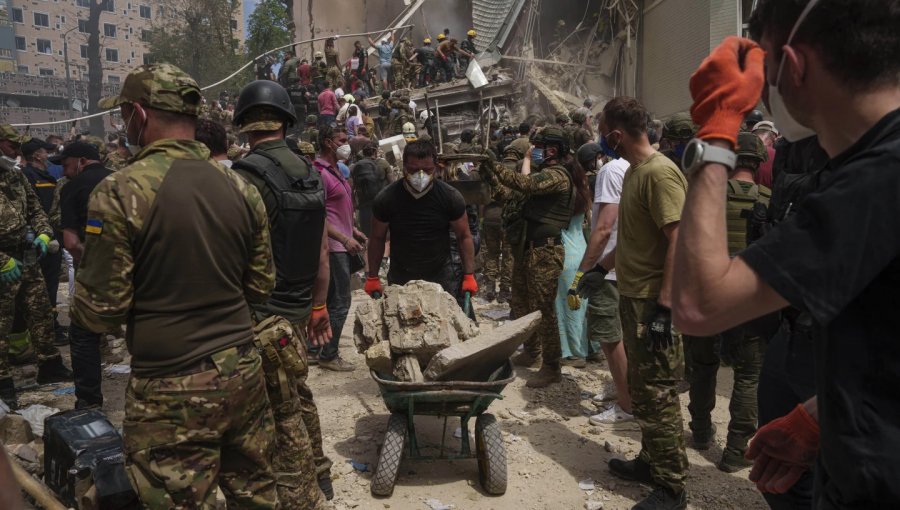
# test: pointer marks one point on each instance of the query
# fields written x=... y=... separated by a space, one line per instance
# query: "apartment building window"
x=145 y=11
x=45 y=72
x=113 y=78
x=112 y=55
x=83 y=26
x=109 y=30
x=84 y=51
x=108 y=5
x=17 y=15
x=43 y=46
x=41 y=19
x=22 y=69
x=145 y=35
x=234 y=24
x=148 y=59
x=83 y=3
x=20 y=43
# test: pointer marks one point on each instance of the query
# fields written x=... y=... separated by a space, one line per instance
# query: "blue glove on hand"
x=42 y=242
x=11 y=271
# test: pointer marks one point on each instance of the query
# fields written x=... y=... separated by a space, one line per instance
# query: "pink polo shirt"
x=328 y=104
x=338 y=203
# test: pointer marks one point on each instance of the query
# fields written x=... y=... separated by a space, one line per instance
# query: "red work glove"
x=318 y=330
x=783 y=450
x=373 y=285
x=469 y=284
x=726 y=86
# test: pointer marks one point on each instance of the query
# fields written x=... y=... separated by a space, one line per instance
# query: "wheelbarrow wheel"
x=389 y=459
x=491 y=453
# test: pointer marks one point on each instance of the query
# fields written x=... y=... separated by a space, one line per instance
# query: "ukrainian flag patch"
x=94 y=227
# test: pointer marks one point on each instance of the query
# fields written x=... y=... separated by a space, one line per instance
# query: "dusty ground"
x=551 y=447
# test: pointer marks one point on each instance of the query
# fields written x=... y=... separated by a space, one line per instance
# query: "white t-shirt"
x=608 y=190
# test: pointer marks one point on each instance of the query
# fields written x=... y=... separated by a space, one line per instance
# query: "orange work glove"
x=373 y=285
x=318 y=329
x=783 y=450
x=726 y=86
x=469 y=284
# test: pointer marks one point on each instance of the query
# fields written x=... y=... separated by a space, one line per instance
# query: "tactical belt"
x=207 y=363
x=546 y=241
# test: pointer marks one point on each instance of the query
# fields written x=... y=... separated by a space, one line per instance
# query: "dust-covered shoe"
x=663 y=499
x=733 y=461
x=635 y=470
x=703 y=439
x=338 y=364
x=606 y=393
x=545 y=377
x=574 y=362
x=525 y=359
x=612 y=416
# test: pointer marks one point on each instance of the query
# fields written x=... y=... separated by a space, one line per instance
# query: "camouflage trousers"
x=29 y=293
x=497 y=257
x=652 y=377
x=744 y=352
x=536 y=279
x=335 y=77
x=311 y=414
x=188 y=433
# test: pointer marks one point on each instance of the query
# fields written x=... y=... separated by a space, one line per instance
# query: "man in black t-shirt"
x=418 y=211
x=837 y=257
x=81 y=165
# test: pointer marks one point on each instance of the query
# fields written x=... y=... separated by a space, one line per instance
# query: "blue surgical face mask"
x=679 y=150
x=537 y=156
x=607 y=150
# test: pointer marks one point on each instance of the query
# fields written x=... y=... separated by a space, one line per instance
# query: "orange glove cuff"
x=803 y=426
x=469 y=284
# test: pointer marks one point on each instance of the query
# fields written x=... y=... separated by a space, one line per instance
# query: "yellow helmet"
x=471 y=33
x=441 y=36
x=427 y=40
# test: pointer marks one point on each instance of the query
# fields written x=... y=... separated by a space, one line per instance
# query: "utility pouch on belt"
x=277 y=344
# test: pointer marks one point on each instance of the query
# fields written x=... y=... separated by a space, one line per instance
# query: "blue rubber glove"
x=11 y=271
x=43 y=242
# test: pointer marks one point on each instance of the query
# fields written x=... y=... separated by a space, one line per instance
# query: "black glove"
x=590 y=281
x=659 y=328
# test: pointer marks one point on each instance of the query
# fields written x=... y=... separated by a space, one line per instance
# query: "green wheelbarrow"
x=462 y=399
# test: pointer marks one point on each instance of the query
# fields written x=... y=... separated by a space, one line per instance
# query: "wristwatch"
x=698 y=153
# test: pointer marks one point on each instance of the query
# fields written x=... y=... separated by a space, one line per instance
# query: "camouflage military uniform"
x=203 y=422
x=334 y=75
x=19 y=209
x=116 y=161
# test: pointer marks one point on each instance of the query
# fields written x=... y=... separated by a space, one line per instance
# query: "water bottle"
x=30 y=250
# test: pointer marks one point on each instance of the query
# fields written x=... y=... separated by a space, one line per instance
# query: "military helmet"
x=472 y=33
x=312 y=119
x=264 y=93
x=306 y=148
x=578 y=117
x=554 y=135
x=752 y=118
x=318 y=54
x=441 y=36
x=587 y=153
x=427 y=40
x=679 y=127
x=562 y=118
x=751 y=146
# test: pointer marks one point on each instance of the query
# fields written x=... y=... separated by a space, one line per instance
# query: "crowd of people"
x=226 y=236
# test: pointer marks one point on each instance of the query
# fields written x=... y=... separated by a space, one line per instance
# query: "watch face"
x=693 y=153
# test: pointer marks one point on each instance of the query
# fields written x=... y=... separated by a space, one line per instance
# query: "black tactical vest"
x=297 y=225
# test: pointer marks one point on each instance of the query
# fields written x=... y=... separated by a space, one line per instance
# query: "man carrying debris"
x=196 y=413
x=468 y=46
x=425 y=57
x=24 y=231
x=418 y=211
x=296 y=216
x=447 y=52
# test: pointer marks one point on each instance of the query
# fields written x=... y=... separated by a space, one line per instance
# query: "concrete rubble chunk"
x=407 y=369
x=479 y=357
x=378 y=358
x=368 y=326
x=15 y=429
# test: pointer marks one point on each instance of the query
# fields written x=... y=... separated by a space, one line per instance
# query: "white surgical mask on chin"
x=787 y=125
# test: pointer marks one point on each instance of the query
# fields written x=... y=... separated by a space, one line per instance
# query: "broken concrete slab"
x=479 y=357
x=15 y=429
x=378 y=358
x=368 y=326
x=407 y=369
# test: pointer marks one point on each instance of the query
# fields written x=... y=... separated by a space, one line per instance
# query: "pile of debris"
x=417 y=332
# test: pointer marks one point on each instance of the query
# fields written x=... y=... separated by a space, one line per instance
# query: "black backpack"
x=366 y=181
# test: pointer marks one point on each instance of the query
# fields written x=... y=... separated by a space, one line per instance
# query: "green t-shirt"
x=652 y=197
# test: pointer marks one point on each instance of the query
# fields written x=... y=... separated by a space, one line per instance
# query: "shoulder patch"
x=94 y=227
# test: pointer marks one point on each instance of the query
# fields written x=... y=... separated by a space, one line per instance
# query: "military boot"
x=525 y=359
x=326 y=487
x=636 y=470
x=703 y=439
x=53 y=371
x=8 y=393
x=663 y=499
x=733 y=461
x=546 y=376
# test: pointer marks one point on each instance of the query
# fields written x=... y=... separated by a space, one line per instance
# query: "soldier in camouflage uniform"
x=741 y=347
x=20 y=280
x=335 y=74
x=678 y=131
x=310 y=133
x=196 y=412
x=548 y=209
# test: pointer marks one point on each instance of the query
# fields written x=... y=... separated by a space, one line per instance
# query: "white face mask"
x=343 y=152
x=790 y=128
x=419 y=181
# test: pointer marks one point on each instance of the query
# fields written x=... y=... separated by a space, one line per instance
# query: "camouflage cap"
x=161 y=86
x=577 y=117
x=751 y=146
x=98 y=144
x=306 y=149
x=680 y=127
x=562 y=117
x=10 y=133
x=263 y=118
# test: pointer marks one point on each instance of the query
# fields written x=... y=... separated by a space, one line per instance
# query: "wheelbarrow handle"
x=467 y=303
x=376 y=295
